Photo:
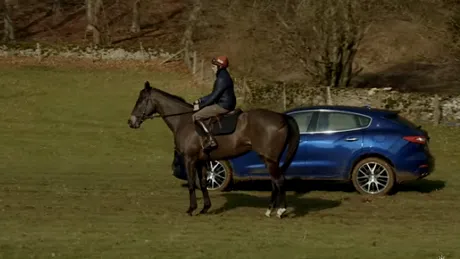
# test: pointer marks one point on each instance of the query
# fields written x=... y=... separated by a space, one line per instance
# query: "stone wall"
x=88 y=53
x=415 y=106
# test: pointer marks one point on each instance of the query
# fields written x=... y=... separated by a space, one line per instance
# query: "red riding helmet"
x=220 y=61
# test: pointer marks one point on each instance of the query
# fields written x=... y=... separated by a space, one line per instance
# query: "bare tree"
x=453 y=26
x=93 y=10
x=135 y=26
x=57 y=9
x=57 y=6
x=8 y=32
x=324 y=37
x=187 y=41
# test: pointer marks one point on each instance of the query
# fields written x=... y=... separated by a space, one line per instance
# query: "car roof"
x=357 y=109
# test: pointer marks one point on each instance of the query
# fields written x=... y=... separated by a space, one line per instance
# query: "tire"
x=223 y=176
x=365 y=183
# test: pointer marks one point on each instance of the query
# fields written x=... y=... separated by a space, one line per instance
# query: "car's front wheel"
x=219 y=175
x=373 y=176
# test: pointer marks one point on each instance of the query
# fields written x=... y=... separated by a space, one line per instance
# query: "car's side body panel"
x=335 y=138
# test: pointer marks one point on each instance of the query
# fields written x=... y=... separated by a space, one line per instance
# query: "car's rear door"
x=300 y=165
x=336 y=140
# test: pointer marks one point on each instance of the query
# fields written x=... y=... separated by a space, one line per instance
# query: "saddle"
x=223 y=124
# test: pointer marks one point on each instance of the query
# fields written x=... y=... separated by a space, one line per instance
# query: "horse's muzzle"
x=134 y=123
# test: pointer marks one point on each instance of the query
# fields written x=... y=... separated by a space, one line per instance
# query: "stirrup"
x=212 y=142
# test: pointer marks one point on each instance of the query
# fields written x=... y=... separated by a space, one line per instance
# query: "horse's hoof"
x=203 y=211
x=190 y=211
x=280 y=212
x=268 y=213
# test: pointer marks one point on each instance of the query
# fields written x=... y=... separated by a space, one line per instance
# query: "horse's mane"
x=172 y=96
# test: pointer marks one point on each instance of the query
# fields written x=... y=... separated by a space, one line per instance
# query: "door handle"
x=351 y=139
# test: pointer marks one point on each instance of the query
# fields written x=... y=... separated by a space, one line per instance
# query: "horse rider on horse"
x=221 y=100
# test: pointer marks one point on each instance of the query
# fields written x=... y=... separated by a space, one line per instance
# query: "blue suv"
x=372 y=148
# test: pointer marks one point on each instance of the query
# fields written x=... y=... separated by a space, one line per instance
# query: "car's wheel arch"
x=228 y=181
x=365 y=156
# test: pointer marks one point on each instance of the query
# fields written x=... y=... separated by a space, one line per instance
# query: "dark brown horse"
x=263 y=131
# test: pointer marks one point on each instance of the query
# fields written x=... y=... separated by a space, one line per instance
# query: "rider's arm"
x=211 y=98
x=204 y=98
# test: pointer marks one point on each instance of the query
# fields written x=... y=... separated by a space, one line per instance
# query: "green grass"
x=77 y=182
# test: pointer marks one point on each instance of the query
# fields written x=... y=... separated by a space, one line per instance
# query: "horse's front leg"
x=191 y=175
x=202 y=174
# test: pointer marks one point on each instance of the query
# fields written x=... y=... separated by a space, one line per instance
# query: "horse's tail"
x=292 y=141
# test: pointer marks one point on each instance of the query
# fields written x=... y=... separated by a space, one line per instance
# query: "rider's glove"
x=196 y=105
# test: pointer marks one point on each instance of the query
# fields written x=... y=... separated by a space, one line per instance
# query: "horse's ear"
x=147 y=85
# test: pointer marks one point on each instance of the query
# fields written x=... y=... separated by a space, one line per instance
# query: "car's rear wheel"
x=373 y=176
x=219 y=176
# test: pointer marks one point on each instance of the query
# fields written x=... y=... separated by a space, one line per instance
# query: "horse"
x=263 y=131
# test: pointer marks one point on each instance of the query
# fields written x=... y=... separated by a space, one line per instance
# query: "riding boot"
x=211 y=142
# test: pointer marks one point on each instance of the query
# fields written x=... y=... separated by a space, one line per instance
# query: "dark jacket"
x=222 y=93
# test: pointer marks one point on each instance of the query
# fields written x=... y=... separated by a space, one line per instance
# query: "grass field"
x=77 y=182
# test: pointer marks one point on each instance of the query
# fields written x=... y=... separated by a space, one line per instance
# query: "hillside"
x=409 y=44
x=160 y=22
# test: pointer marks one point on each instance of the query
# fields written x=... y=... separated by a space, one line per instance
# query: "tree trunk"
x=89 y=14
x=135 y=26
x=187 y=39
x=57 y=10
x=8 y=34
x=93 y=8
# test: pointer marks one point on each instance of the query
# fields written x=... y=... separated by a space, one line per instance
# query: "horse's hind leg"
x=282 y=196
x=273 y=199
x=201 y=169
x=278 y=196
x=273 y=170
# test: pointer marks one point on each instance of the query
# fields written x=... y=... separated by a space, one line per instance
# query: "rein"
x=167 y=115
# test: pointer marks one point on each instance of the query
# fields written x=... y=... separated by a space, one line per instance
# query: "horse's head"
x=144 y=107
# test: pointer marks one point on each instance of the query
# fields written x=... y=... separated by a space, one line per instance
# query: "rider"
x=220 y=101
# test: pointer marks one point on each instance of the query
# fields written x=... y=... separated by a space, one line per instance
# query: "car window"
x=336 y=121
x=363 y=121
x=303 y=120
